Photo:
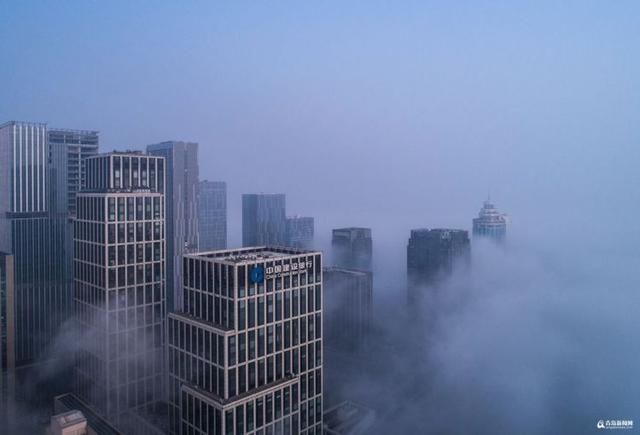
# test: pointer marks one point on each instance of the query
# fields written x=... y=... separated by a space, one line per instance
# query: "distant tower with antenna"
x=490 y=223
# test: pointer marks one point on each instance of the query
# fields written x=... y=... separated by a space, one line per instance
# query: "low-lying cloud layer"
x=538 y=338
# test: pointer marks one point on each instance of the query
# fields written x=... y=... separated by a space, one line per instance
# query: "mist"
x=535 y=338
x=399 y=116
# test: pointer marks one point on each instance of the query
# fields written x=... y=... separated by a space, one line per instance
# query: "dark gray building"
x=352 y=248
x=300 y=232
x=264 y=220
x=433 y=254
x=182 y=209
x=212 y=215
x=7 y=330
x=490 y=223
x=35 y=241
x=246 y=354
x=348 y=307
x=119 y=284
x=68 y=150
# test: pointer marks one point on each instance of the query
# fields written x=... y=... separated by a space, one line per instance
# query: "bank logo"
x=614 y=424
x=256 y=274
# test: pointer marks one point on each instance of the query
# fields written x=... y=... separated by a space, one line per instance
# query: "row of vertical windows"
x=260 y=310
x=275 y=412
x=273 y=338
x=134 y=208
x=135 y=253
x=91 y=208
x=138 y=232
x=137 y=274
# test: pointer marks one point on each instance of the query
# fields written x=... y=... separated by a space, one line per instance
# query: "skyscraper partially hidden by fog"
x=300 y=231
x=182 y=209
x=433 y=255
x=38 y=300
x=490 y=223
x=245 y=355
x=212 y=215
x=348 y=307
x=119 y=278
x=264 y=220
x=352 y=248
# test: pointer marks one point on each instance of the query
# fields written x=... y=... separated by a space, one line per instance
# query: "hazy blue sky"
x=399 y=115
x=364 y=113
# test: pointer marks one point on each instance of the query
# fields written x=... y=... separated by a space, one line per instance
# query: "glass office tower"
x=119 y=284
x=433 y=255
x=182 y=209
x=35 y=241
x=490 y=223
x=245 y=355
x=348 y=307
x=300 y=231
x=352 y=248
x=212 y=215
x=264 y=220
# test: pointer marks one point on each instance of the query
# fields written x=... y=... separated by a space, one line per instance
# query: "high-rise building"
x=182 y=209
x=433 y=254
x=300 y=232
x=35 y=243
x=119 y=284
x=348 y=307
x=245 y=356
x=352 y=248
x=264 y=220
x=490 y=223
x=68 y=150
x=212 y=215
x=7 y=329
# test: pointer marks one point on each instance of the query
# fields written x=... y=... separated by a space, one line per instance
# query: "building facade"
x=246 y=354
x=212 y=215
x=34 y=240
x=264 y=220
x=490 y=223
x=433 y=255
x=7 y=330
x=119 y=284
x=182 y=209
x=300 y=231
x=352 y=248
x=68 y=150
x=348 y=307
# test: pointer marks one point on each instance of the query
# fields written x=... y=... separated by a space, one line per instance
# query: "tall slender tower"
x=182 y=209
x=38 y=304
x=300 y=232
x=245 y=355
x=432 y=254
x=490 y=223
x=264 y=220
x=352 y=248
x=212 y=218
x=119 y=283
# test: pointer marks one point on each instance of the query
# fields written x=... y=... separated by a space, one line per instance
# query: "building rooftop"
x=489 y=214
x=99 y=425
x=8 y=123
x=69 y=418
x=436 y=231
x=348 y=418
x=252 y=254
x=345 y=270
